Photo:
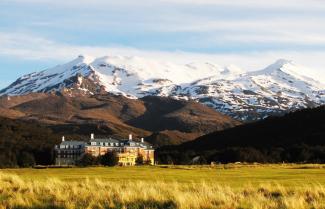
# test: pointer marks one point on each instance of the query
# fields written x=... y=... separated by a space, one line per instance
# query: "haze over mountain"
x=280 y=87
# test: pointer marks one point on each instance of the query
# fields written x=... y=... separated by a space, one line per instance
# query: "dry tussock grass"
x=98 y=193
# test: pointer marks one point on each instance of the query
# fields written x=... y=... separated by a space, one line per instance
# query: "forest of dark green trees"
x=25 y=144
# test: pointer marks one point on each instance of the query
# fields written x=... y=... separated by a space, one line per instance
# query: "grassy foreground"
x=230 y=186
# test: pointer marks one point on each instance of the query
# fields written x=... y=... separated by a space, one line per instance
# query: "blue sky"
x=37 y=34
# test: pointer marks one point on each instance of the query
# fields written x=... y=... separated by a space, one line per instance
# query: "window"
x=93 y=143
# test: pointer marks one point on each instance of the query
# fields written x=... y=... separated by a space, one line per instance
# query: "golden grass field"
x=224 y=186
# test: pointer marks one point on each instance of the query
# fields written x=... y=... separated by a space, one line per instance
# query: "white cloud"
x=98 y=4
x=288 y=4
x=281 y=38
x=278 y=24
x=38 y=48
x=174 y=16
x=209 y=24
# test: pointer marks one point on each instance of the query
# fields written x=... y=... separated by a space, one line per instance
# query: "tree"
x=169 y=160
x=26 y=159
x=109 y=159
x=183 y=158
x=139 y=160
x=87 y=160
x=147 y=162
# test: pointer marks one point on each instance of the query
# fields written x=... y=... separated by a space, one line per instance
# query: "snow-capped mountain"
x=243 y=95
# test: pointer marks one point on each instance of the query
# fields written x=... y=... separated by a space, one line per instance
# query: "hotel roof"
x=73 y=143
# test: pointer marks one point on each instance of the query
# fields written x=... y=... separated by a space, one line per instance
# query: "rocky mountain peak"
x=280 y=87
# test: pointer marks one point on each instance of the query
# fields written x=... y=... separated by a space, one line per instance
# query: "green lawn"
x=230 y=175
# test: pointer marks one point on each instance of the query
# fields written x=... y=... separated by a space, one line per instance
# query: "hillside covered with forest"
x=296 y=137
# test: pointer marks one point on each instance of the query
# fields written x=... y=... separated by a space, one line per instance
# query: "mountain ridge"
x=246 y=96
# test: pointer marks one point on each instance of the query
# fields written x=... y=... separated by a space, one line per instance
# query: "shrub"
x=87 y=160
x=139 y=160
x=109 y=159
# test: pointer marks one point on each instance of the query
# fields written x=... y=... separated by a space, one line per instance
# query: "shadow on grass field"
x=231 y=186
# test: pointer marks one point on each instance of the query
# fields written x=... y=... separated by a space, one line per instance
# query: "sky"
x=38 y=34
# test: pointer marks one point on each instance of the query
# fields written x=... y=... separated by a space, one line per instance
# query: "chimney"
x=63 y=139
x=130 y=137
x=142 y=140
x=92 y=136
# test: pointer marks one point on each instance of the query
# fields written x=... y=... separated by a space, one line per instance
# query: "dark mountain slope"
x=187 y=116
x=295 y=137
x=304 y=126
x=170 y=137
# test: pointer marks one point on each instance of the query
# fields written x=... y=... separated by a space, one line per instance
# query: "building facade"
x=127 y=150
x=68 y=152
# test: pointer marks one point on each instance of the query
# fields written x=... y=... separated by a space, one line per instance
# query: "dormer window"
x=112 y=144
x=93 y=143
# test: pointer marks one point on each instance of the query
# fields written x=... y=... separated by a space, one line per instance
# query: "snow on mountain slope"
x=247 y=96
x=136 y=77
x=51 y=79
x=254 y=95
